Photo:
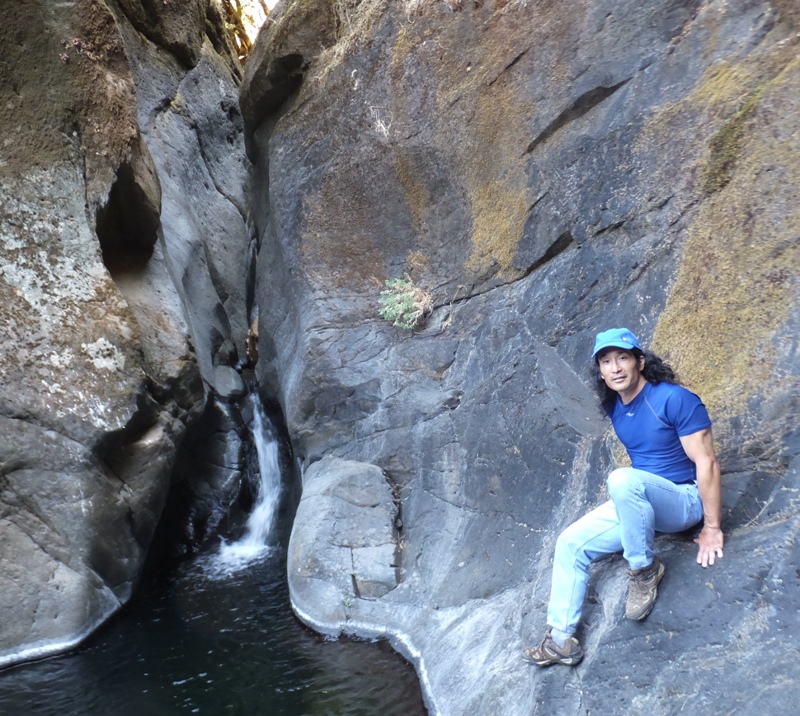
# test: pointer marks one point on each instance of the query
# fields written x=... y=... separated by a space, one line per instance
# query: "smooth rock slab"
x=343 y=545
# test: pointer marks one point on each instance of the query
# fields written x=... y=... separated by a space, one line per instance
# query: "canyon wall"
x=544 y=173
x=124 y=255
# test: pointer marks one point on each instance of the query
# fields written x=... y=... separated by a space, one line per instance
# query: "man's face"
x=621 y=371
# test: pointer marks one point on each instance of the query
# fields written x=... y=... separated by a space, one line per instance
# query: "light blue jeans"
x=640 y=504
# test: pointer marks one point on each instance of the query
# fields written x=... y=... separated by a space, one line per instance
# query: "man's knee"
x=623 y=482
x=568 y=544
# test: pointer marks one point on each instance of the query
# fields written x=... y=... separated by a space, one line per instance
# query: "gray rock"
x=545 y=176
x=295 y=33
x=74 y=532
x=99 y=377
x=228 y=382
x=343 y=546
x=178 y=27
x=191 y=126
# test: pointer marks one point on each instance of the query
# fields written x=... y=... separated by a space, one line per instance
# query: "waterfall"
x=233 y=556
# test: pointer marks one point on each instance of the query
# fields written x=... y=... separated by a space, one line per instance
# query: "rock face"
x=544 y=175
x=122 y=235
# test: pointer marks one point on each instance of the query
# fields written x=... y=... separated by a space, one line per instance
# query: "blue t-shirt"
x=651 y=425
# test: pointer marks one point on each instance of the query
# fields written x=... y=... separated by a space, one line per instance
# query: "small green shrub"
x=403 y=304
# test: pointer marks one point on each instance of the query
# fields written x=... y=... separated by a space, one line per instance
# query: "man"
x=674 y=482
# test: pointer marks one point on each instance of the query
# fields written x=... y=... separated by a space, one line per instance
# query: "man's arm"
x=699 y=447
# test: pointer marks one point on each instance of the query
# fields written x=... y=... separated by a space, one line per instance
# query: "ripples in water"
x=214 y=640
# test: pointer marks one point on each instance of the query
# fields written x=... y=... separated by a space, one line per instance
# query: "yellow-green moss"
x=417 y=195
x=723 y=83
x=354 y=20
x=417 y=263
x=499 y=211
x=618 y=452
x=494 y=172
x=724 y=100
x=481 y=121
x=739 y=276
x=725 y=145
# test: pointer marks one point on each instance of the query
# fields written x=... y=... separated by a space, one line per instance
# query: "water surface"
x=217 y=637
x=200 y=644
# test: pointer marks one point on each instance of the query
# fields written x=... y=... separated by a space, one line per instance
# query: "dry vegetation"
x=243 y=18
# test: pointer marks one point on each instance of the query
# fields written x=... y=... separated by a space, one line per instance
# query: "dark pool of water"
x=198 y=645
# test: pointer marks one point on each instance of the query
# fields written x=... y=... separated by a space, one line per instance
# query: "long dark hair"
x=655 y=371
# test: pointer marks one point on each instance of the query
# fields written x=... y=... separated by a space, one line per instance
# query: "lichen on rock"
x=738 y=277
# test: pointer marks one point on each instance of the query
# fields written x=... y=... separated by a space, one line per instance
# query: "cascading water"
x=219 y=638
x=254 y=543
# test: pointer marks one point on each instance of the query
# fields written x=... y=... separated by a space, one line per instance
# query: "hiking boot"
x=548 y=652
x=643 y=589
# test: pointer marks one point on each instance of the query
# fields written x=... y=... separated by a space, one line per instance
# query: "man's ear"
x=641 y=363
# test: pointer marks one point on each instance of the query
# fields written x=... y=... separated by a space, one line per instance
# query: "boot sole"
x=570 y=661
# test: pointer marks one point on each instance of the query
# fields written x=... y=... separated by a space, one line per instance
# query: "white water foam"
x=254 y=543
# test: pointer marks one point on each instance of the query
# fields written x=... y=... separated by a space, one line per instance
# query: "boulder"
x=294 y=34
x=344 y=541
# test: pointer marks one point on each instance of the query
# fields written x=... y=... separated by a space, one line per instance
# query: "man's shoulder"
x=679 y=406
x=671 y=397
x=667 y=390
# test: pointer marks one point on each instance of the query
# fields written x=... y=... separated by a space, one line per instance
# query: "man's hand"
x=699 y=447
x=710 y=545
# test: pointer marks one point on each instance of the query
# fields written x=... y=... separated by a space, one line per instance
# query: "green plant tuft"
x=403 y=304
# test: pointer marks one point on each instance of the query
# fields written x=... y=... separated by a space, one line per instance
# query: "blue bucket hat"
x=615 y=338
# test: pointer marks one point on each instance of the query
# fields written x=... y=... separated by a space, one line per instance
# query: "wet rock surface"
x=544 y=175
